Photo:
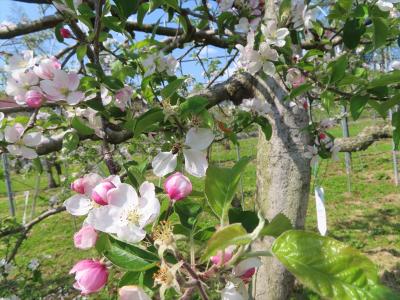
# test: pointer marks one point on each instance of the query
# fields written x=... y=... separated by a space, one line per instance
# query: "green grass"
x=366 y=218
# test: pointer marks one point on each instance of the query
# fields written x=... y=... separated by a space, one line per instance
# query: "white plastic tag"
x=321 y=213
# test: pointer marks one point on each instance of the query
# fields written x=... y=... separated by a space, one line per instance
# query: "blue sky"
x=11 y=10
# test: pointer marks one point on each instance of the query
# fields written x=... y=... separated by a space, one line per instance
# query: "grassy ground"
x=367 y=217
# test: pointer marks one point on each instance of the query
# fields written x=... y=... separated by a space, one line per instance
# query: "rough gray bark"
x=283 y=182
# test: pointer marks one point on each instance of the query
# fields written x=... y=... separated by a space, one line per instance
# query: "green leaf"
x=193 y=105
x=279 y=224
x=221 y=185
x=173 y=3
x=126 y=8
x=171 y=88
x=396 y=129
x=338 y=68
x=247 y=218
x=233 y=234
x=327 y=100
x=37 y=164
x=81 y=52
x=265 y=126
x=131 y=278
x=381 y=32
x=143 y=8
x=329 y=267
x=188 y=210
x=147 y=120
x=352 y=31
x=57 y=32
x=70 y=141
x=113 y=82
x=357 y=105
x=126 y=256
x=385 y=79
x=81 y=126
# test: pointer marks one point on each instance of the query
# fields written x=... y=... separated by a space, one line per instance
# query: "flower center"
x=163 y=276
x=133 y=217
x=175 y=148
x=163 y=233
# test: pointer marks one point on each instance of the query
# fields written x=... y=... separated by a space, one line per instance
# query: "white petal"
x=105 y=218
x=164 y=163
x=78 y=205
x=124 y=194
x=195 y=162
x=60 y=80
x=281 y=33
x=32 y=139
x=147 y=190
x=246 y=264
x=131 y=233
x=269 y=68
x=73 y=81
x=48 y=87
x=90 y=181
x=74 y=98
x=199 y=138
x=115 y=179
x=28 y=153
x=14 y=150
x=13 y=134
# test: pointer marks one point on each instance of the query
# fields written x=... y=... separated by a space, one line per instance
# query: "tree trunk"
x=51 y=183
x=283 y=182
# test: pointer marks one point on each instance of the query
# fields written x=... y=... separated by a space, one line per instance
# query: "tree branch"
x=364 y=139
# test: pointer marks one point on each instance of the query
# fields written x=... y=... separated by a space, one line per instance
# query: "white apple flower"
x=106 y=96
x=82 y=204
x=197 y=140
x=386 y=5
x=256 y=106
x=21 y=145
x=312 y=153
x=225 y=5
x=273 y=35
x=19 y=83
x=63 y=87
x=302 y=17
x=93 y=118
x=243 y=25
x=166 y=277
x=160 y=63
x=19 y=62
x=230 y=292
x=33 y=264
x=123 y=97
x=126 y=214
x=395 y=65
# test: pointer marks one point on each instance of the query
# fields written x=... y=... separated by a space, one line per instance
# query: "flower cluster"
x=21 y=143
x=253 y=60
x=158 y=63
x=34 y=80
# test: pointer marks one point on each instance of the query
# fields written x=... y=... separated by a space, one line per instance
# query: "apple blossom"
x=33 y=264
x=34 y=98
x=126 y=214
x=273 y=35
x=99 y=193
x=166 y=277
x=256 y=106
x=82 y=204
x=123 y=97
x=231 y=293
x=65 y=33
x=20 y=83
x=47 y=67
x=90 y=275
x=302 y=16
x=164 y=238
x=225 y=5
x=395 y=65
x=226 y=254
x=132 y=292
x=21 y=145
x=197 y=140
x=177 y=186
x=160 y=63
x=386 y=5
x=246 y=268
x=85 y=238
x=295 y=77
x=63 y=87
x=20 y=62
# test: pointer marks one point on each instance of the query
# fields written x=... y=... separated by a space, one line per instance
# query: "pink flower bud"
x=65 y=33
x=132 y=292
x=99 y=193
x=78 y=185
x=90 y=275
x=216 y=259
x=34 y=98
x=85 y=238
x=177 y=186
x=246 y=277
